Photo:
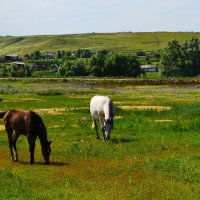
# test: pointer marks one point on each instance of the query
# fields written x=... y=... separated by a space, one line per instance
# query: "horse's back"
x=99 y=100
x=20 y=121
x=97 y=105
x=14 y=120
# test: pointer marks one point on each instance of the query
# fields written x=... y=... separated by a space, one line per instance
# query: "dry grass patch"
x=57 y=111
x=22 y=99
x=55 y=126
x=74 y=126
x=31 y=99
x=79 y=97
x=164 y=120
x=157 y=108
x=51 y=111
x=119 y=117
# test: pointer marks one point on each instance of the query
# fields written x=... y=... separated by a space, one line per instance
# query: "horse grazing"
x=26 y=123
x=102 y=111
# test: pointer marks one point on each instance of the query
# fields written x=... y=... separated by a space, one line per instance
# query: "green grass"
x=148 y=41
x=145 y=158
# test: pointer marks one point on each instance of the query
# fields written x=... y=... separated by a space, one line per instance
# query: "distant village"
x=51 y=62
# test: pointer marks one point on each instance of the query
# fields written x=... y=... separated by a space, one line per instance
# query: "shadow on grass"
x=52 y=163
x=123 y=140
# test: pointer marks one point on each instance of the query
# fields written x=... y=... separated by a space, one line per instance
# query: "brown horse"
x=26 y=123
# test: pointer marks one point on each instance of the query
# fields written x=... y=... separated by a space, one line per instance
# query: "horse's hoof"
x=31 y=163
x=46 y=162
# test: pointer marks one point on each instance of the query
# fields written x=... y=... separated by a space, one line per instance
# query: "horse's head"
x=46 y=150
x=108 y=124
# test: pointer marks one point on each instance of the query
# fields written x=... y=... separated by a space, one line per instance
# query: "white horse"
x=102 y=111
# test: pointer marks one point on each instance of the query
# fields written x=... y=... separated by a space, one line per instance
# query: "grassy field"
x=154 y=151
x=129 y=41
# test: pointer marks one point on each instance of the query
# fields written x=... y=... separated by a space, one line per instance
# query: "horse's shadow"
x=53 y=163
x=122 y=140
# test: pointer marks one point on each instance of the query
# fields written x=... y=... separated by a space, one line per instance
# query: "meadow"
x=124 y=41
x=154 y=151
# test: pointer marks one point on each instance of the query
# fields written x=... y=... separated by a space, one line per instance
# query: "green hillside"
x=94 y=41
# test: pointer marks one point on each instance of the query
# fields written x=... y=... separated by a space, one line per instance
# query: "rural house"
x=149 y=68
x=12 y=57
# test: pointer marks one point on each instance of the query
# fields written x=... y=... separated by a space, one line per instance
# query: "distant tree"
x=5 y=71
x=80 y=68
x=113 y=64
x=156 y=54
x=59 y=54
x=27 y=56
x=62 y=71
x=97 y=63
x=103 y=52
x=28 y=72
x=68 y=53
x=191 y=50
x=178 y=61
x=36 y=55
x=122 y=65
x=69 y=65
x=83 y=53
x=140 y=53
x=15 y=71
x=76 y=68
x=172 y=59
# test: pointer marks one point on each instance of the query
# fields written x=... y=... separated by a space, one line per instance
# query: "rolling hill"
x=125 y=41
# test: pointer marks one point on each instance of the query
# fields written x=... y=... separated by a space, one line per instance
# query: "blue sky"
x=39 y=17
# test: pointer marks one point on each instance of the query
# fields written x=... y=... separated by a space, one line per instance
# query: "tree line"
x=176 y=60
x=82 y=63
x=102 y=63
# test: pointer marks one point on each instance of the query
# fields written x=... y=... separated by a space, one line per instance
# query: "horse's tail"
x=2 y=114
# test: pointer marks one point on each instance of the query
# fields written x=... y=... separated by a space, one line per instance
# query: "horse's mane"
x=2 y=114
x=37 y=116
x=40 y=121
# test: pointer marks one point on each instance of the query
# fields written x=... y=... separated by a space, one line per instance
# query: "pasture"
x=125 y=41
x=153 y=153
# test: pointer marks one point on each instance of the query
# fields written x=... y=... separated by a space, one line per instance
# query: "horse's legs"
x=31 y=142
x=10 y=145
x=14 y=139
x=102 y=126
x=96 y=128
x=9 y=132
